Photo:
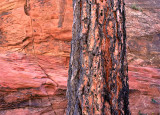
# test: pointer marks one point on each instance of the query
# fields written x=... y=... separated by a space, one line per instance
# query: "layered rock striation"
x=35 y=40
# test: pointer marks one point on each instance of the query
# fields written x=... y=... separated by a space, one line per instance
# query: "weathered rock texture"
x=35 y=40
x=143 y=31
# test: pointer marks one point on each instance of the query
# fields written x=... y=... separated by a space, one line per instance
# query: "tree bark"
x=98 y=70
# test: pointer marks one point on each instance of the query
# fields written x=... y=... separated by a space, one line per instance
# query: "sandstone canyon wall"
x=35 y=40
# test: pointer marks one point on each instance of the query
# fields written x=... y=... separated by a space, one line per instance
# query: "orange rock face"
x=34 y=54
x=35 y=40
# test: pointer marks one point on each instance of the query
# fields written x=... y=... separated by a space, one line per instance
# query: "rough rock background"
x=35 y=40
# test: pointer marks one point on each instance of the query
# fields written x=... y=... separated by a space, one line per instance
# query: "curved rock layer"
x=35 y=40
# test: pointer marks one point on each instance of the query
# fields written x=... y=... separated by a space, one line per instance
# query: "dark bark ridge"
x=98 y=70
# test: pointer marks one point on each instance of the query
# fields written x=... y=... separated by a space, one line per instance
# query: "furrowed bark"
x=98 y=70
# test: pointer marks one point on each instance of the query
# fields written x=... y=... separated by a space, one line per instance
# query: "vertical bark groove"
x=98 y=71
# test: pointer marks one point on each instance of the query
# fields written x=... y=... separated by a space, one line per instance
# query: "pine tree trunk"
x=98 y=70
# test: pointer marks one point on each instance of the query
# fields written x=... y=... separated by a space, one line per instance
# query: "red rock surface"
x=34 y=54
